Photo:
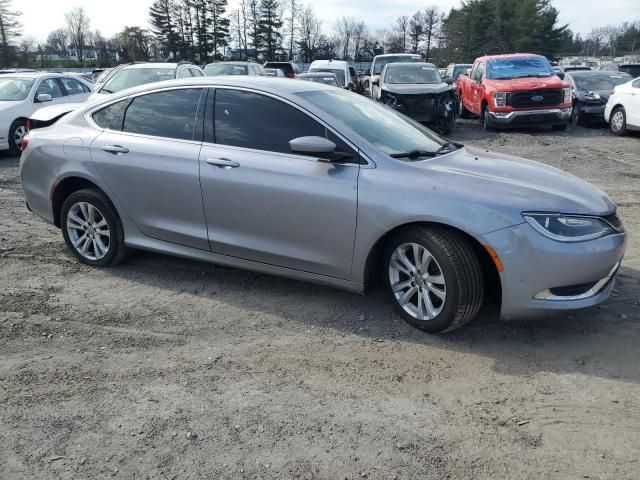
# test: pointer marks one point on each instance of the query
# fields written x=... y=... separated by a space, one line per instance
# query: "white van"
x=339 y=68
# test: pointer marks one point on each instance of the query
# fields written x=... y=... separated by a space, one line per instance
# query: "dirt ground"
x=170 y=369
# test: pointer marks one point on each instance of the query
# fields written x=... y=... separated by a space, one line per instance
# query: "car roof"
x=410 y=64
x=385 y=55
x=152 y=65
x=507 y=55
x=275 y=85
x=231 y=62
x=317 y=74
x=36 y=75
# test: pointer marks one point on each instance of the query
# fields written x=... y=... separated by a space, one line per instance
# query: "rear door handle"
x=115 y=149
x=222 y=163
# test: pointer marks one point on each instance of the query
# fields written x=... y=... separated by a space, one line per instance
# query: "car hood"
x=414 y=89
x=527 y=83
x=511 y=185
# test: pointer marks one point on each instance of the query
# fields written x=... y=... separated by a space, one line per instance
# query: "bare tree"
x=400 y=28
x=26 y=48
x=359 y=36
x=416 y=31
x=432 y=18
x=57 y=42
x=78 y=29
x=9 y=30
x=291 y=24
x=309 y=28
x=346 y=27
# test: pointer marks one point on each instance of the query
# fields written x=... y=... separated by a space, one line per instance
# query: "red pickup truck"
x=514 y=90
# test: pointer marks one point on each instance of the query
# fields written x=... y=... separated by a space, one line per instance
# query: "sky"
x=39 y=17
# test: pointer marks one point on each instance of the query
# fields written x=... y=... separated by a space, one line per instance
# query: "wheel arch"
x=66 y=187
x=373 y=263
x=614 y=108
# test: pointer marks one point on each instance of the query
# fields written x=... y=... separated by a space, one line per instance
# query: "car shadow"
x=601 y=341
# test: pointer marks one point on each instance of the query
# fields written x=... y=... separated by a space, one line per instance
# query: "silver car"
x=316 y=183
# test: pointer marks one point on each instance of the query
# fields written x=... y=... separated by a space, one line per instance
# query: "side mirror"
x=560 y=75
x=375 y=81
x=312 y=146
x=44 y=97
x=448 y=80
x=367 y=72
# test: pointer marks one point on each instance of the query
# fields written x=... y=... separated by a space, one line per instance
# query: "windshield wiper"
x=448 y=147
x=105 y=90
x=413 y=154
x=537 y=75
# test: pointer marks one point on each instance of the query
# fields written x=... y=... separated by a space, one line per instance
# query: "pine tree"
x=9 y=30
x=269 y=27
x=163 y=25
x=219 y=25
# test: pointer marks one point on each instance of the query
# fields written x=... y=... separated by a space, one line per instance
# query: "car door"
x=265 y=204
x=148 y=157
x=477 y=87
x=75 y=91
x=633 y=110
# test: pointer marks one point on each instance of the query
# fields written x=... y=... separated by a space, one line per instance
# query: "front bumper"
x=542 y=276
x=592 y=112
x=547 y=116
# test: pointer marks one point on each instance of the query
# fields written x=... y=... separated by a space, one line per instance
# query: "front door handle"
x=222 y=163
x=115 y=149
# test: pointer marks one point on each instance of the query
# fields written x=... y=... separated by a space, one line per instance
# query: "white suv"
x=142 y=73
x=339 y=68
x=623 y=108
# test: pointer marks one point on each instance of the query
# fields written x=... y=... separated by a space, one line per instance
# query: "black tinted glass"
x=104 y=117
x=250 y=120
x=169 y=114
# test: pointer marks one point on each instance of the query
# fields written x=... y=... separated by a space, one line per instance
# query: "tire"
x=448 y=118
x=575 y=116
x=618 y=121
x=77 y=222
x=453 y=270
x=486 y=120
x=560 y=128
x=462 y=111
x=17 y=131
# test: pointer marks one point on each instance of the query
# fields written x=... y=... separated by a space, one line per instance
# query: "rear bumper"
x=547 y=116
x=543 y=277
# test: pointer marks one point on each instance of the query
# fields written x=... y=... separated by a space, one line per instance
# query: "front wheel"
x=486 y=120
x=92 y=228
x=434 y=278
x=17 y=132
x=560 y=128
x=462 y=111
x=575 y=115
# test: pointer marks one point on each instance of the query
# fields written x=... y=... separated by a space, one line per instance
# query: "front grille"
x=615 y=221
x=415 y=102
x=535 y=98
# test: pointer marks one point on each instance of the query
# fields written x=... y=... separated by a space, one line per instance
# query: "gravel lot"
x=166 y=368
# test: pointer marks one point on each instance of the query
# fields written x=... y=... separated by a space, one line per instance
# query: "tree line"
x=207 y=30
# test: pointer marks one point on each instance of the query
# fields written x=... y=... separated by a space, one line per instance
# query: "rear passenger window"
x=169 y=114
x=104 y=117
x=73 y=86
x=251 y=120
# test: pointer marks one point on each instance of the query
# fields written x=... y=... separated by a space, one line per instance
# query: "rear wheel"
x=618 y=121
x=92 y=228
x=17 y=132
x=434 y=278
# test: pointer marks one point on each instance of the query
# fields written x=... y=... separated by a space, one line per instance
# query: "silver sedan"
x=315 y=183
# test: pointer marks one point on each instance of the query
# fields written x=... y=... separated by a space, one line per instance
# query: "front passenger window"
x=250 y=120
x=51 y=87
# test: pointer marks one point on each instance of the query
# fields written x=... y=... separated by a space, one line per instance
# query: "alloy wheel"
x=88 y=231
x=18 y=134
x=417 y=281
x=617 y=121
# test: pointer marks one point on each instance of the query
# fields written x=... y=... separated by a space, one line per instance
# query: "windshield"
x=391 y=132
x=379 y=63
x=518 y=67
x=225 y=69
x=326 y=79
x=14 y=89
x=631 y=69
x=338 y=73
x=132 y=77
x=411 y=74
x=271 y=72
x=600 y=81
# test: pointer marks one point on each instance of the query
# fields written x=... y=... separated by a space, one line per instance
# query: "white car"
x=339 y=68
x=23 y=93
x=622 y=112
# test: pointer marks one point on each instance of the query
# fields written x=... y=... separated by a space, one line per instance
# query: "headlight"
x=567 y=95
x=568 y=228
x=500 y=99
